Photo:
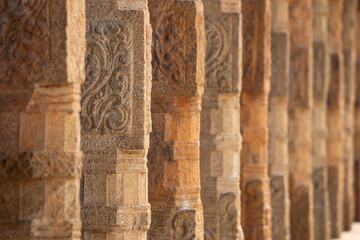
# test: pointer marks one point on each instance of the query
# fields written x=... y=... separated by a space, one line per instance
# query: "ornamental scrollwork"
x=106 y=93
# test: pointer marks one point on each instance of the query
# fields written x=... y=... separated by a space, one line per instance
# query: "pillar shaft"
x=349 y=53
x=335 y=118
x=278 y=120
x=220 y=124
x=357 y=124
x=255 y=197
x=300 y=120
x=178 y=79
x=115 y=120
x=319 y=129
x=42 y=52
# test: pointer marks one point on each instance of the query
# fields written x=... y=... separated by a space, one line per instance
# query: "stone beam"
x=349 y=53
x=42 y=51
x=255 y=197
x=335 y=110
x=220 y=120
x=115 y=120
x=278 y=120
x=300 y=120
x=319 y=130
x=178 y=51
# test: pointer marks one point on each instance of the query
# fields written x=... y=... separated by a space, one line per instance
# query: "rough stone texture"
x=41 y=54
x=335 y=113
x=220 y=121
x=178 y=51
x=357 y=125
x=115 y=120
x=278 y=120
x=300 y=120
x=255 y=197
x=319 y=129
x=349 y=52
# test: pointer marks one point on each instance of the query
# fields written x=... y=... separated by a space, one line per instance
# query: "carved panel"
x=300 y=210
x=218 y=55
x=106 y=94
x=184 y=225
x=320 y=84
x=334 y=85
x=228 y=216
x=279 y=65
x=24 y=40
x=277 y=188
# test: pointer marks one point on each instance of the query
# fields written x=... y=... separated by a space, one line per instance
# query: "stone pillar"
x=220 y=121
x=349 y=53
x=115 y=120
x=319 y=129
x=300 y=120
x=255 y=197
x=278 y=120
x=335 y=114
x=178 y=51
x=357 y=124
x=41 y=55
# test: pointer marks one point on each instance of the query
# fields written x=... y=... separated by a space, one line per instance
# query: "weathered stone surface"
x=115 y=120
x=300 y=120
x=319 y=129
x=335 y=126
x=357 y=125
x=41 y=55
x=178 y=82
x=220 y=124
x=255 y=197
x=278 y=120
x=349 y=52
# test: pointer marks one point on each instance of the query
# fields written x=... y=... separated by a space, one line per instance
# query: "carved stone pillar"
x=349 y=52
x=335 y=114
x=115 y=120
x=357 y=124
x=178 y=50
x=41 y=56
x=300 y=120
x=278 y=120
x=255 y=197
x=220 y=121
x=319 y=123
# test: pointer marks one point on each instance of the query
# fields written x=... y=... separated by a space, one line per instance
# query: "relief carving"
x=106 y=94
x=277 y=188
x=168 y=49
x=300 y=208
x=228 y=215
x=24 y=40
x=218 y=57
x=184 y=225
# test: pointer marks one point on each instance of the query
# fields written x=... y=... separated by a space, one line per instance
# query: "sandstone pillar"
x=220 y=121
x=335 y=118
x=278 y=120
x=357 y=124
x=319 y=129
x=115 y=120
x=300 y=120
x=255 y=197
x=178 y=49
x=41 y=55
x=349 y=53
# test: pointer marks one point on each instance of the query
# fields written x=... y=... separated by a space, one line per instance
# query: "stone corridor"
x=179 y=119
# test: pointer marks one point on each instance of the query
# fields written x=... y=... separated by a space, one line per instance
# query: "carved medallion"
x=184 y=225
x=106 y=94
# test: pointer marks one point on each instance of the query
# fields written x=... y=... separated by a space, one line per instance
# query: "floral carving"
x=168 y=50
x=184 y=224
x=24 y=40
x=106 y=93
x=218 y=57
